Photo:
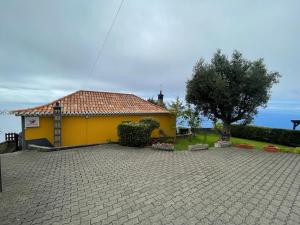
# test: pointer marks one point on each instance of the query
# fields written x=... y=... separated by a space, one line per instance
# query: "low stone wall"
x=198 y=147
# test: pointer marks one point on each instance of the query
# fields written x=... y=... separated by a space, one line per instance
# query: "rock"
x=222 y=144
x=198 y=147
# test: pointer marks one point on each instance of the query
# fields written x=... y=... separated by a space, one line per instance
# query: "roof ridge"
x=109 y=92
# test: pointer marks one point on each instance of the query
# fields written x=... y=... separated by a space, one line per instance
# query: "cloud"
x=47 y=48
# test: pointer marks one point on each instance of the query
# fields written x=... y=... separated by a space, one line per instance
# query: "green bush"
x=272 y=135
x=133 y=134
x=137 y=134
x=150 y=122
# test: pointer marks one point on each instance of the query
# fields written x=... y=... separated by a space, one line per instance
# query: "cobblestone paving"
x=110 y=184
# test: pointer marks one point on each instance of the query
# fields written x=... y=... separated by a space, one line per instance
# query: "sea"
x=278 y=114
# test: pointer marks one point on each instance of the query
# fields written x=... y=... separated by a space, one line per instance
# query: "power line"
x=104 y=42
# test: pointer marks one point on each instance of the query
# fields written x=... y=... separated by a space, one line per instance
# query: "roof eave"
x=86 y=113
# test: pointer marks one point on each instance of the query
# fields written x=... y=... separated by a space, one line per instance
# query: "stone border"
x=50 y=149
x=198 y=147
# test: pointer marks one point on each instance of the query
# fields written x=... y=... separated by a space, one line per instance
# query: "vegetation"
x=137 y=134
x=185 y=113
x=211 y=138
x=151 y=123
x=273 y=135
x=228 y=90
x=191 y=115
x=133 y=134
x=176 y=107
x=6 y=147
x=153 y=101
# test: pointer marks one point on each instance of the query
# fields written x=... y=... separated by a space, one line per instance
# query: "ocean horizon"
x=276 y=115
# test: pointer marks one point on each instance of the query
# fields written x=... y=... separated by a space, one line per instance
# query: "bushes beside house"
x=133 y=134
x=266 y=134
x=137 y=134
x=150 y=122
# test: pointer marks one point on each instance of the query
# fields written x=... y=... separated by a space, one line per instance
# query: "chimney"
x=57 y=125
x=160 y=99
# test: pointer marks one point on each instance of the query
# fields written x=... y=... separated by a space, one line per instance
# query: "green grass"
x=183 y=143
x=210 y=139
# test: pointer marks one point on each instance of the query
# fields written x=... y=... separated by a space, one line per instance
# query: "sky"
x=47 y=48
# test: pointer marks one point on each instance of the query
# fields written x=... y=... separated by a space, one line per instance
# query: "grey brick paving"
x=110 y=184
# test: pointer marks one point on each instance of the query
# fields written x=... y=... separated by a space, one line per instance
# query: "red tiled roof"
x=96 y=103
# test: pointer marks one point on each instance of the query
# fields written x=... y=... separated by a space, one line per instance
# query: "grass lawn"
x=210 y=139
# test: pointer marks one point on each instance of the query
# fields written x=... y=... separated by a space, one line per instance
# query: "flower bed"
x=245 y=146
x=163 y=146
x=271 y=148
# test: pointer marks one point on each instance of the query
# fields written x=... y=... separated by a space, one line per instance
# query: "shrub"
x=272 y=135
x=151 y=123
x=133 y=134
x=137 y=134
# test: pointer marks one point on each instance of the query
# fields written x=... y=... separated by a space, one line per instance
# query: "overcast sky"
x=47 y=48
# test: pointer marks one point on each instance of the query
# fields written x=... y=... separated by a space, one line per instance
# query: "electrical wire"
x=100 y=51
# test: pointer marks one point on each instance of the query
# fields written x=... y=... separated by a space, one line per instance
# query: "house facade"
x=89 y=117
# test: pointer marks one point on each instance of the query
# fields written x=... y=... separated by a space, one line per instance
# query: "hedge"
x=272 y=135
x=150 y=122
x=137 y=134
x=133 y=134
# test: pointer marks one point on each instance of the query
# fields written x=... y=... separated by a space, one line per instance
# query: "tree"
x=230 y=90
x=176 y=107
x=153 y=101
x=191 y=116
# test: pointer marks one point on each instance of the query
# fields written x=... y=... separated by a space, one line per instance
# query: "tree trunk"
x=226 y=134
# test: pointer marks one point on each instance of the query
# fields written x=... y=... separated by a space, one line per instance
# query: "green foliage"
x=153 y=101
x=297 y=150
x=6 y=147
x=273 y=135
x=230 y=90
x=192 y=116
x=286 y=150
x=185 y=113
x=133 y=134
x=176 y=108
x=211 y=138
x=183 y=143
x=137 y=134
x=151 y=123
x=218 y=126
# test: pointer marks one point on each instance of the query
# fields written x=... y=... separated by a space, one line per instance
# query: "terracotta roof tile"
x=96 y=103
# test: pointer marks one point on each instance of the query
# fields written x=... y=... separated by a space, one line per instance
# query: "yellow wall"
x=45 y=130
x=80 y=130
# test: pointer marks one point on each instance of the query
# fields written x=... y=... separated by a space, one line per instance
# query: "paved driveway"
x=110 y=184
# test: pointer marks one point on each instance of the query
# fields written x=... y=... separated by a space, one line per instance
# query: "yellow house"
x=89 y=117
